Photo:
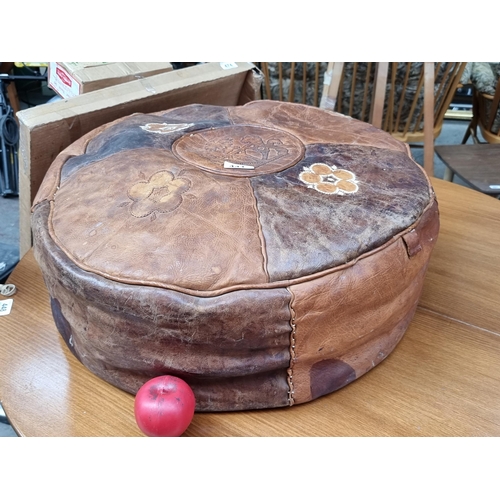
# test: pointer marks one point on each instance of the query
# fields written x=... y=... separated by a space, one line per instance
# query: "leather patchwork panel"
x=312 y=125
x=141 y=216
x=348 y=321
x=337 y=203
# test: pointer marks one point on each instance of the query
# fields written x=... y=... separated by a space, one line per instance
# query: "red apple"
x=164 y=406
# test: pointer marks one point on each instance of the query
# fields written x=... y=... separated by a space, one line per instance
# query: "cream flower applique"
x=329 y=179
x=165 y=128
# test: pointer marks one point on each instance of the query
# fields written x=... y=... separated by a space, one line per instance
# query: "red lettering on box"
x=63 y=76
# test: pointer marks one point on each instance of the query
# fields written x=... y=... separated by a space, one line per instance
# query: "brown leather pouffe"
x=268 y=254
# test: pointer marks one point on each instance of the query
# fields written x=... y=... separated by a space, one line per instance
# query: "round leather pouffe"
x=267 y=254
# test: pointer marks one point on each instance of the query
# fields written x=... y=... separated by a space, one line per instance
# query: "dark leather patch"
x=338 y=203
x=143 y=131
x=63 y=326
x=198 y=113
x=329 y=375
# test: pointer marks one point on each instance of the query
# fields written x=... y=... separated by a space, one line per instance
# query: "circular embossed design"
x=246 y=151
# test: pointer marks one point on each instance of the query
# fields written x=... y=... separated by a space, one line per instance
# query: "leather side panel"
x=348 y=321
x=232 y=349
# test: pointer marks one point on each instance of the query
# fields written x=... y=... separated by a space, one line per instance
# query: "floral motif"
x=162 y=193
x=329 y=179
x=165 y=128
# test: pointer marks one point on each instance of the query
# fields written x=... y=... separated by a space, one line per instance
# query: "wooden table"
x=443 y=379
x=476 y=164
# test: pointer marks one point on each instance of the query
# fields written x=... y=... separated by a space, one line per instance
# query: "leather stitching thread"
x=260 y=232
x=291 y=392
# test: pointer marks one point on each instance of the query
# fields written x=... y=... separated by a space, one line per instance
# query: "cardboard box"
x=48 y=129
x=69 y=79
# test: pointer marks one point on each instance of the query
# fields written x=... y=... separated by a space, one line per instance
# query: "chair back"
x=406 y=99
x=487 y=114
x=300 y=82
x=353 y=85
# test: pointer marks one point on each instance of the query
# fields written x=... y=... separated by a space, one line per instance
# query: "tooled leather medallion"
x=240 y=150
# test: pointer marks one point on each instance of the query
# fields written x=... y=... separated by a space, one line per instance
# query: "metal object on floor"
x=9 y=138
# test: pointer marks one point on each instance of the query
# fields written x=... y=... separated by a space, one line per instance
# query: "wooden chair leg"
x=475 y=139
x=377 y=109
x=429 y=118
x=331 y=86
x=467 y=133
x=448 y=174
x=472 y=128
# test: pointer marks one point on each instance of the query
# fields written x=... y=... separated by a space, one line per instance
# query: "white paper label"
x=228 y=164
x=494 y=186
x=5 y=306
x=228 y=65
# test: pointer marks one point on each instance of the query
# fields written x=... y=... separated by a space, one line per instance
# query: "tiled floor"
x=9 y=221
x=452 y=133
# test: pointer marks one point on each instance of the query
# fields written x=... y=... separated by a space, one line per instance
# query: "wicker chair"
x=388 y=95
x=402 y=93
x=293 y=81
x=486 y=114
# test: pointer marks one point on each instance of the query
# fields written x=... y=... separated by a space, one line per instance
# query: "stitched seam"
x=291 y=391
x=261 y=234
x=213 y=293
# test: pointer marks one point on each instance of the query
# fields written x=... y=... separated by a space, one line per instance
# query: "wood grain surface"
x=476 y=164
x=441 y=380
x=463 y=279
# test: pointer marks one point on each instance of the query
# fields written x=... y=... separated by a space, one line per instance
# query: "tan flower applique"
x=329 y=180
x=162 y=193
x=165 y=128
